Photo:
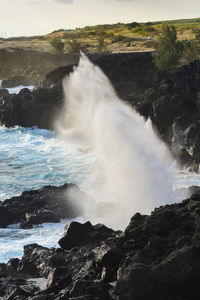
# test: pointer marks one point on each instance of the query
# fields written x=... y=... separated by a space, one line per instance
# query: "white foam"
x=133 y=159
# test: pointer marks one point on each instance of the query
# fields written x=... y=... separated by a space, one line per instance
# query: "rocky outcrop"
x=156 y=257
x=29 y=67
x=27 y=109
x=170 y=99
x=48 y=204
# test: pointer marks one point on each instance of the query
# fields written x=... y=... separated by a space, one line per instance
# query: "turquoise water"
x=31 y=158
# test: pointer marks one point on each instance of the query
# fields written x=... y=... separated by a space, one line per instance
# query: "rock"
x=48 y=204
x=59 y=277
x=15 y=288
x=3 y=93
x=6 y=217
x=166 y=97
x=186 y=138
x=14 y=81
x=156 y=257
x=76 y=235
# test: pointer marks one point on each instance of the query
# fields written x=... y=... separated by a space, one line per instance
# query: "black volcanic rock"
x=156 y=257
x=48 y=204
x=3 y=93
x=77 y=234
x=168 y=98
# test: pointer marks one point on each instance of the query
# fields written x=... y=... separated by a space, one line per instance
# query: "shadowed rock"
x=156 y=257
x=48 y=204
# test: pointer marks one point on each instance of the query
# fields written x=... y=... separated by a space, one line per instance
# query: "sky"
x=37 y=17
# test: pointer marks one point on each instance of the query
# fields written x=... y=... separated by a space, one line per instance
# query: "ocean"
x=31 y=158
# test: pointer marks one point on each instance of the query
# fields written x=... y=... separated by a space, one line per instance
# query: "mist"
x=134 y=162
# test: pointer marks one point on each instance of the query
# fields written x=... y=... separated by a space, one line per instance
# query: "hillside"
x=131 y=37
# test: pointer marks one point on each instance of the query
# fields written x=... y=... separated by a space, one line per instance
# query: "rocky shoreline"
x=156 y=257
x=170 y=99
x=48 y=204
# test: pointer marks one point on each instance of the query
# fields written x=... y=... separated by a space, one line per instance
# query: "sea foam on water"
x=133 y=160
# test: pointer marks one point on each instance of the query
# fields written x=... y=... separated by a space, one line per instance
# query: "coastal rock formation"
x=29 y=67
x=169 y=98
x=156 y=257
x=48 y=204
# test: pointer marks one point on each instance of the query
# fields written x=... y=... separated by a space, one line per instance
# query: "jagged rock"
x=77 y=234
x=186 y=137
x=156 y=257
x=13 y=81
x=162 y=96
x=6 y=217
x=48 y=204
x=3 y=93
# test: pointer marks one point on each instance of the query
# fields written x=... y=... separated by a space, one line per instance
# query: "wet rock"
x=77 y=234
x=186 y=137
x=166 y=97
x=48 y=204
x=6 y=217
x=156 y=257
x=3 y=93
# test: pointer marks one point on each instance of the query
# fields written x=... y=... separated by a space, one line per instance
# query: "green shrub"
x=101 y=45
x=118 y=38
x=134 y=24
x=190 y=50
x=168 y=49
x=74 y=46
x=57 y=44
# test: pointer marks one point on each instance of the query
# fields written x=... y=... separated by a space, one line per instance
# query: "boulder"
x=156 y=257
x=48 y=204
x=76 y=235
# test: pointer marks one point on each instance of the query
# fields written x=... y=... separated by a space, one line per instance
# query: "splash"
x=132 y=158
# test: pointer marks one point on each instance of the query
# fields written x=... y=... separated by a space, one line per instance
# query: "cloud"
x=64 y=1
x=42 y=1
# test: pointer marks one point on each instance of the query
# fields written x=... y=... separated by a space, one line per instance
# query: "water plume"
x=132 y=158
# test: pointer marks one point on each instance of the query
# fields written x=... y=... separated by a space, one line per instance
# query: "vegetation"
x=120 y=37
x=73 y=45
x=169 y=50
x=101 y=44
x=57 y=44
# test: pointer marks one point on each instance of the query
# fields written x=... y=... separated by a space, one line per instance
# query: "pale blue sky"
x=32 y=17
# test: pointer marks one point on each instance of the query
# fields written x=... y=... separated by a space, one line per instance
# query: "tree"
x=168 y=48
x=74 y=46
x=101 y=45
x=57 y=44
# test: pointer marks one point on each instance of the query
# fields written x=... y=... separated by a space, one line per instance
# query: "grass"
x=118 y=37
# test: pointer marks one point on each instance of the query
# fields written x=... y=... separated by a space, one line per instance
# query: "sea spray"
x=132 y=158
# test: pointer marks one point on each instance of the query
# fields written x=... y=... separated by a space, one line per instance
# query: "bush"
x=134 y=24
x=101 y=45
x=57 y=44
x=168 y=49
x=74 y=46
x=118 y=38
x=190 y=50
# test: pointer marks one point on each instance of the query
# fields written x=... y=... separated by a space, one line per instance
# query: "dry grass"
x=132 y=39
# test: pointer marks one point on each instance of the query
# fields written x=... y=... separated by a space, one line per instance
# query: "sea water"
x=31 y=158
x=17 y=89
